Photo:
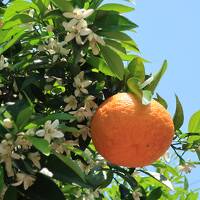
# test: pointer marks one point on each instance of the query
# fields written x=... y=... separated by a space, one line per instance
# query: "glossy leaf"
x=194 y=123
x=114 y=61
x=155 y=79
x=134 y=87
x=137 y=70
x=161 y=101
x=155 y=194
x=116 y=7
x=41 y=144
x=11 y=193
x=178 y=116
x=146 y=97
x=63 y=5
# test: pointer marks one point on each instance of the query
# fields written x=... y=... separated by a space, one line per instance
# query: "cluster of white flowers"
x=186 y=167
x=3 y=62
x=55 y=48
x=136 y=195
x=10 y=146
x=81 y=112
x=77 y=28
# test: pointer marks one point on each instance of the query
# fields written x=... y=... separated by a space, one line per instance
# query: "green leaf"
x=16 y=7
x=161 y=101
x=155 y=79
x=17 y=20
x=116 y=7
x=155 y=194
x=64 y=171
x=63 y=5
x=178 y=116
x=114 y=61
x=159 y=177
x=44 y=188
x=100 y=65
x=134 y=87
x=116 y=45
x=186 y=184
x=146 y=97
x=194 y=123
x=42 y=5
x=41 y=144
x=11 y=193
x=124 y=192
x=73 y=165
x=137 y=70
x=126 y=41
x=24 y=116
x=112 y=21
x=1 y=179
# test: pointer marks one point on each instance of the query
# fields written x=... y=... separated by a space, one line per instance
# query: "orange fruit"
x=130 y=134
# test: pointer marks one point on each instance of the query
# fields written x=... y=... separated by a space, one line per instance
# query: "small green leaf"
x=186 y=184
x=24 y=116
x=63 y=5
x=137 y=70
x=114 y=61
x=41 y=144
x=161 y=101
x=155 y=79
x=116 y=7
x=1 y=179
x=178 y=116
x=155 y=194
x=194 y=123
x=134 y=87
x=116 y=45
x=146 y=97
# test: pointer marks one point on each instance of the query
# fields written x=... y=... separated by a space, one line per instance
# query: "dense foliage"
x=59 y=59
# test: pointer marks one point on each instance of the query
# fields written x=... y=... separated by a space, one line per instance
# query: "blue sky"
x=169 y=29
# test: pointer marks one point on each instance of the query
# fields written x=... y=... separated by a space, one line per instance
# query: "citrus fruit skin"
x=130 y=134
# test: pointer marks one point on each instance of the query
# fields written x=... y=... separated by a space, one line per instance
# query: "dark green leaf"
x=41 y=144
x=116 y=7
x=155 y=79
x=155 y=194
x=11 y=193
x=125 y=193
x=178 y=116
x=24 y=116
x=161 y=101
x=63 y=172
x=116 y=45
x=186 y=184
x=63 y=5
x=73 y=165
x=42 y=5
x=43 y=189
x=137 y=70
x=114 y=61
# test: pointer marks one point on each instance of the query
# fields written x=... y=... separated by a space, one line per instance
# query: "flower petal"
x=68 y=15
x=40 y=133
x=70 y=37
x=87 y=13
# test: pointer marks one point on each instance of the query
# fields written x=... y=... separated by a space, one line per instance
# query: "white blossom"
x=54 y=47
x=50 y=131
x=94 y=39
x=136 y=195
x=187 y=167
x=82 y=113
x=7 y=123
x=3 y=62
x=76 y=29
x=89 y=102
x=71 y=103
x=80 y=84
x=84 y=131
x=46 y=172
x=35 y=158
x=78 y=13
x=25 y=179
x=22 y=141
x=7 y=155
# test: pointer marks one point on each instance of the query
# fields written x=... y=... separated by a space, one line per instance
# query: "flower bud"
x=7 y=123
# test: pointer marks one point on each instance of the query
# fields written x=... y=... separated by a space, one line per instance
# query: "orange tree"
x=59 y=60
